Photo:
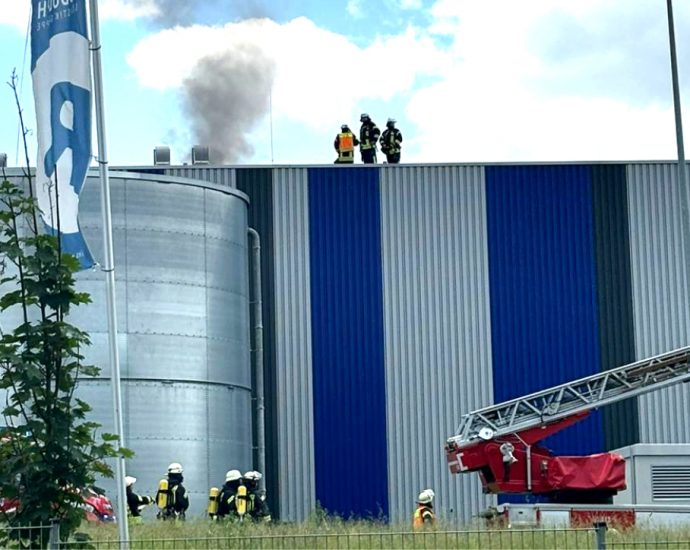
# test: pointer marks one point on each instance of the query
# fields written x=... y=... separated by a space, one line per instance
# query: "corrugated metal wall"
x=350 y=449
x=219 y=175
x=258 y=185
x=294 y=399
x=543 y=295
x=614 y=294
x=660 y=292
x=450 y=287
x=437 y=328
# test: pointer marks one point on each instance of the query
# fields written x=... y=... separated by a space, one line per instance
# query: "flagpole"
x=109 y=269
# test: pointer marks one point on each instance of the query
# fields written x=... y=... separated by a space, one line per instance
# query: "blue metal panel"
x=347 y=341
x=544 y=317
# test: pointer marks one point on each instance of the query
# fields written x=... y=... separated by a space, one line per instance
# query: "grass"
x=332 y=535
x=321 y=532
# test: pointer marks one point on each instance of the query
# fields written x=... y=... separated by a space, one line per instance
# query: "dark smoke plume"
x=228 y=93
x=172 y=13
x=224 y=97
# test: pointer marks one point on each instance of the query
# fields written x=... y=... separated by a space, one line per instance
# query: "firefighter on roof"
x=391 y=140
x=344 y=144
x=368 y=136
x=424 y=514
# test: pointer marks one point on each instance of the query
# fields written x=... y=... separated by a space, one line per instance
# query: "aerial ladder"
x=501 y=441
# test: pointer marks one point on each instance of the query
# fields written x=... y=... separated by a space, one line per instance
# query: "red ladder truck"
x=501 y=442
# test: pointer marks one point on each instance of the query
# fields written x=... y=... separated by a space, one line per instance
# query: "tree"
x=49 y=450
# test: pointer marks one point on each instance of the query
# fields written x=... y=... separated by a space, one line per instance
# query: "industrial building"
x=395 y=299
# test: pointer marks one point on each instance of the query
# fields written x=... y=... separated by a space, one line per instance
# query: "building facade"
x=397 y=298
x=401 y=297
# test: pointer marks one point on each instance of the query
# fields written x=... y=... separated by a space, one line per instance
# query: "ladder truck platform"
x=501 y=442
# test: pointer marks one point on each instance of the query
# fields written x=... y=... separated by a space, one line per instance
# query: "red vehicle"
x=97 y=506
x=501 y=442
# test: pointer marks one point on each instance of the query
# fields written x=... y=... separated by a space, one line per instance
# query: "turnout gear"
x=227 y=499
x=256 y=506
x=172 y=499
x=135 y=503
x=368 y=136
x=424 y=514
x=391 y=140
x=344 y=145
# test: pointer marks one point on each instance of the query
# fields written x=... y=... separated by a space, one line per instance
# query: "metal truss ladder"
x=562 y=401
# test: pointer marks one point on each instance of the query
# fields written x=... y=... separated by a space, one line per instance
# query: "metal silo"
x=181 y=263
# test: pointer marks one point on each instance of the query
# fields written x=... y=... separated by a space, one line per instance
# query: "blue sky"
x=268 y=81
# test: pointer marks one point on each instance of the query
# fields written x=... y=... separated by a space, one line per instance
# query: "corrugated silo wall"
x=183 y=329
x=405 y=296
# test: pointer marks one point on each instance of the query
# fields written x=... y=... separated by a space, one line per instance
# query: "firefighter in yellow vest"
x=344 y=144
x=424 y=514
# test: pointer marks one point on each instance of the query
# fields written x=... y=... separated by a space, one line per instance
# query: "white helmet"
x=175 y=468
x=253 y=475
x=233 y=475
x=130 y=480
x=426 y=496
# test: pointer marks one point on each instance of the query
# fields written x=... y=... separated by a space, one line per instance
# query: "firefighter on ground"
x=368 y=136
x=391 y=140
x=135 y=502
x=171 y=498
x=344 y=144
x=424 y=514
x=227 y=499
x=257 y=508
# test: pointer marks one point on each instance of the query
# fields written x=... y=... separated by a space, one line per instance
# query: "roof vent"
x=161 y=155
x=200 y=155
x=3 y=160
x=670 y=482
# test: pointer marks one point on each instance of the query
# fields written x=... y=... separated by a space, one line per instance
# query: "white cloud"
x=490 y=95
x=501 y=99
x=17 y=13
x=321 y=77
x=410 y=4
x=126 y=10
x=354 y=8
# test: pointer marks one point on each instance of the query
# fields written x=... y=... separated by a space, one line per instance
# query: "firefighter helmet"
x=233 y=475
x=252 y=475
x=426 y=496
x=363 y=117
x=175 y=468
x=130 y=480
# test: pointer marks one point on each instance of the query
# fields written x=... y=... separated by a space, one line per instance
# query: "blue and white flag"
x=61 y=74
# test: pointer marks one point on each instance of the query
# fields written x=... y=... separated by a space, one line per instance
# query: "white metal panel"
x=293 y=343
x=660 y=293
x=437 y=329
